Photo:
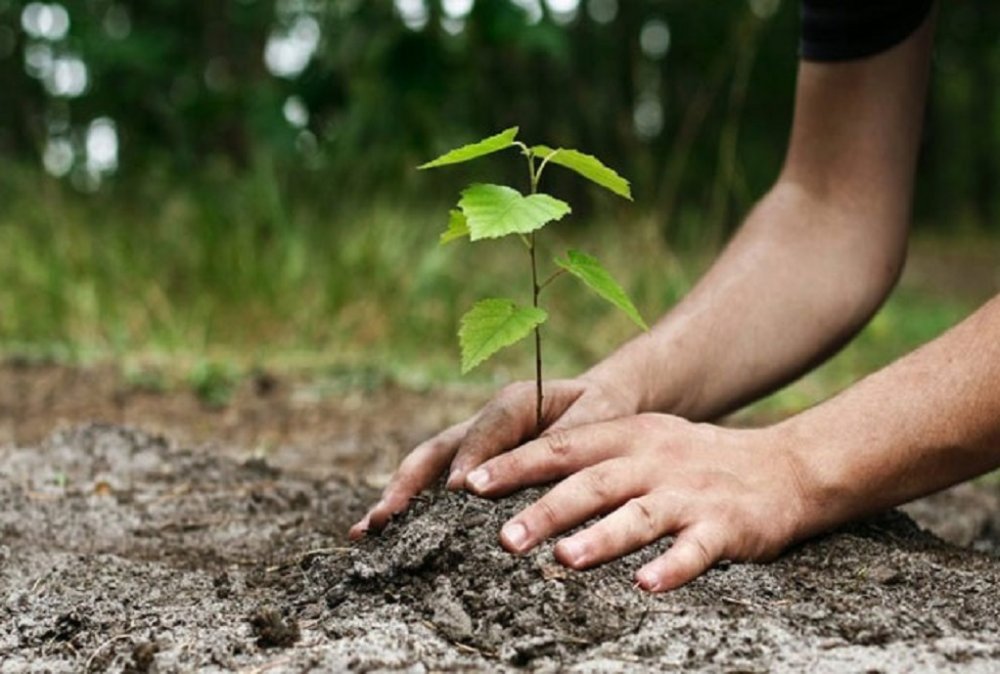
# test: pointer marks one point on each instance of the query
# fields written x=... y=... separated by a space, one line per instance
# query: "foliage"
x=500 y=141
x=589 y=270
x=495 y=211
x=493 y=324
x=458 y=227
x=586 y=165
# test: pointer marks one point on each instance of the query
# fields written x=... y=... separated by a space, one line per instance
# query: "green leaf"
x=501 y=141
x=493 y=324
x=458 y=227
x=493 y=211
x=597 y=278
x=588 y=166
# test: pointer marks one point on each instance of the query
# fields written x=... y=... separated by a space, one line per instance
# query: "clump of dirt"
x=272 y=629
x=442 y=561
x=143 y=658
x=122 y=551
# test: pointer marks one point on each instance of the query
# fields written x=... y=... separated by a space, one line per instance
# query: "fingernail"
x=647 y=579
x=573 y=552
x=478 y=479
x=516 y=535
x=454 y=479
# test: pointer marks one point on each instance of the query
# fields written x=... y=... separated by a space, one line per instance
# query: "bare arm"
x=813 y=260
x=928 y=421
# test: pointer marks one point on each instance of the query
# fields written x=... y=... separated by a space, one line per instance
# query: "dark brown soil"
x=123 y=551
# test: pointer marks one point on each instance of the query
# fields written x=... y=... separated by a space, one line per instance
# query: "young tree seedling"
x=494 y=211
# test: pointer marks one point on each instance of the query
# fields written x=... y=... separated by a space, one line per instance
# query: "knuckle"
x=557 y=444
x=599 y=483
x=644 y=518
x=701 y=550
x=496 y=411
x=546 y=513
x=648 y=421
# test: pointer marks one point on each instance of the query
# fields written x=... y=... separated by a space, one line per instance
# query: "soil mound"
x=121 y=551
x=880 y=595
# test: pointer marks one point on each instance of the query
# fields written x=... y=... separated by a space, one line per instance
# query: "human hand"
x=725 y=494
x=504 y=423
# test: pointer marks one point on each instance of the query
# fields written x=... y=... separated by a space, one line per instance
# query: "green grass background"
x=210 y=282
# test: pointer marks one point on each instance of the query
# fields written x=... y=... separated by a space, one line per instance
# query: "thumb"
x=589 y=408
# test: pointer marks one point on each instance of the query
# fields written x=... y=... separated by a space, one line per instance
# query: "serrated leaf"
x=588 y=166
x=493 y=324
x=493 y=211
x=500 y=141
x=597 y=278
x=458 y=227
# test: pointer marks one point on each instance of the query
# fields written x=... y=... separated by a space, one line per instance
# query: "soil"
x=353 y=424
x=127 y=550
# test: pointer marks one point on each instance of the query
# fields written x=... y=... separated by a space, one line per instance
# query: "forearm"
x=796 y=282
x=813 y=260
x=930 y=420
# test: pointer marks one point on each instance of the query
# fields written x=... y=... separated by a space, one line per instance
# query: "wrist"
x=626 y=374
x=826 y=496
x=639 y=366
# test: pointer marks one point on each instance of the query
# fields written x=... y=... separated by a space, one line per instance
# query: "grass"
x=906 y=321
x=211 y=282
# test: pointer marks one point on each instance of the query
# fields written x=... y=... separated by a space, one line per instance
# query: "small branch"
x=541 y=167
x=532 y=175
x=552 y=277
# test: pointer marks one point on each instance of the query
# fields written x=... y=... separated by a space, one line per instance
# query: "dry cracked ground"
x=125 y=550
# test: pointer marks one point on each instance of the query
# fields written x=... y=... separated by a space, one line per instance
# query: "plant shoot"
x=488 y=211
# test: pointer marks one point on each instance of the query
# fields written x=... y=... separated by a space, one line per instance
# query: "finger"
x=503 y=424
x=590 y=492
x=639 y=522
x=693 y=553
x=417 y=472
x=588 y=408
x=550 y=457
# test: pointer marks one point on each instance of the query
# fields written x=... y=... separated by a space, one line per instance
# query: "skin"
x=628 y=439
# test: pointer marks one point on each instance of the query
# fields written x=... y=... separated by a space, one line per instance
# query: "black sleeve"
x=841 y=30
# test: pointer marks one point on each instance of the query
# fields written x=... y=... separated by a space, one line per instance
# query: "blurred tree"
x=691 y=100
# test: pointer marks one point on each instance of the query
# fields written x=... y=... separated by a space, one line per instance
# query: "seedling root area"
x=122 y=550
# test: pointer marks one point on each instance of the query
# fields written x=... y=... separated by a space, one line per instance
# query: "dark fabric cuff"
x=843 y=30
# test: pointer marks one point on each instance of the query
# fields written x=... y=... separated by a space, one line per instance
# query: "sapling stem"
x=536 y=290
